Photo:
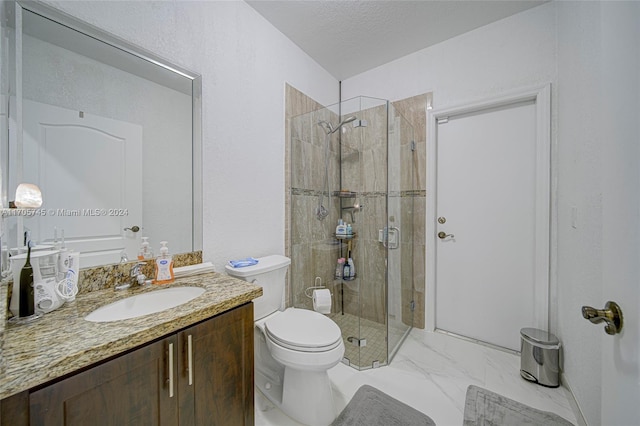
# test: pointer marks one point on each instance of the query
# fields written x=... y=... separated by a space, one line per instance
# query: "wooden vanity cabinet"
x=219 y=389
x=202 y=375
x=129 y=390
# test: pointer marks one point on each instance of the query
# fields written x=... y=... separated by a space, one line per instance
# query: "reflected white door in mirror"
x=90 y=169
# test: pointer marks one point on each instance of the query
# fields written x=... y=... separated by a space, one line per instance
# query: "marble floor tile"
x=431 y=373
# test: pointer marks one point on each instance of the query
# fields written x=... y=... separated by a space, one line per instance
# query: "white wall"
x=598 y=100
x=579 y=186
x=244 y=63
x=497 y=58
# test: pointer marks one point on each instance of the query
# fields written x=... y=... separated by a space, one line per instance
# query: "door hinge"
x=443 y=120
x=357 y=342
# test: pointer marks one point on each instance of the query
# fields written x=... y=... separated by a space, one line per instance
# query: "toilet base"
x=307 y=397
x=304 y=396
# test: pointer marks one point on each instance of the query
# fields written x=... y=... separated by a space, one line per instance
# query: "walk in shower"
x=355 y=161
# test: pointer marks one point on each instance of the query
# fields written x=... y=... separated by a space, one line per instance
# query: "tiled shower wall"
x=364 y=171
x=310 y=242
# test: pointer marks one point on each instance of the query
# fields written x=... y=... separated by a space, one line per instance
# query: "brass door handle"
x=443 y=235
x=611 y=314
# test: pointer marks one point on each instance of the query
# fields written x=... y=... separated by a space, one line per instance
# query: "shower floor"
x=375 y=334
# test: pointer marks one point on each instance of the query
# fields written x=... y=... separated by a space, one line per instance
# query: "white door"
x=93 y=198
x=620 y=212
x=491 y=238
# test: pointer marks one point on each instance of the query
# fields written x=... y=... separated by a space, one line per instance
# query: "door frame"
x=545 y=219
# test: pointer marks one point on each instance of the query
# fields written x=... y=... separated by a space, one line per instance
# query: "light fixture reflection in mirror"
x=28 y=196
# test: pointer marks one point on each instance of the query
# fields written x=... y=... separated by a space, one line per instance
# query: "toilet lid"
x=303 y=330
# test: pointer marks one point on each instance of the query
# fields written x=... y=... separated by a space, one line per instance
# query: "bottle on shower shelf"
x=339 y=268
x=346 y=271
x=352 y=269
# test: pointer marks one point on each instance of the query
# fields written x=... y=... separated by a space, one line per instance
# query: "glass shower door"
x=362 y=173
x=400 y=253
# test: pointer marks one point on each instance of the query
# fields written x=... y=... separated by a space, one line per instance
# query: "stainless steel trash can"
x=540 y=357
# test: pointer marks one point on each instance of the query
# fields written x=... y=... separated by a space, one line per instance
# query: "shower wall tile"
x=297 y=127
x=372 y=277
x=419 y=222
x=372 y=216
x=298 y=270
x=375 y=133
x=351 y=170
x=413 y=219
x=308 y=163
x=374 y=170
x=351 y=291
x=419 y=270
x=414 y=110
x=420 y=165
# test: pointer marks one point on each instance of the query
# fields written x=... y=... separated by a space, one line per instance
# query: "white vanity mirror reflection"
x=110 y=134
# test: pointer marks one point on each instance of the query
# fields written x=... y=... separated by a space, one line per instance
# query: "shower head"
x=330 y=129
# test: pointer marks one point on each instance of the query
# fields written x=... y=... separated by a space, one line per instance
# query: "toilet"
x=293 y=347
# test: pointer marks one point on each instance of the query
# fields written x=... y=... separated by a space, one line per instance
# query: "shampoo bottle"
x=164 y=266
x=346 y=271
x=339 y=267
x=352 y=269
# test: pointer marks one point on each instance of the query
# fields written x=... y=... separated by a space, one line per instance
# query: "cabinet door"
x=221 y=388
x=132 y=389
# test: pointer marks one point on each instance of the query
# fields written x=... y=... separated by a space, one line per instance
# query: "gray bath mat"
x=371 y=407
x=485 y=408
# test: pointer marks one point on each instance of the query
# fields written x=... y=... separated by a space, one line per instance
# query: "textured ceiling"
x=347 y=37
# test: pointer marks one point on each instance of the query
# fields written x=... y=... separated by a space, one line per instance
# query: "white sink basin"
x=144 y=304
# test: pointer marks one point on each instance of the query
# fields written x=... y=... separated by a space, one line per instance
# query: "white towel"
x=186 y=271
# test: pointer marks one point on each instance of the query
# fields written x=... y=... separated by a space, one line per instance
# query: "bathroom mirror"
x=109 y=132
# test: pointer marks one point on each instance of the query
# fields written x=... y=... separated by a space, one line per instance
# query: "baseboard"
x=575 y=407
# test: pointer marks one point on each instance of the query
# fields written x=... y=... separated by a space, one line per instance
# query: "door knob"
x=443 y=235
x=611 y=314
x=134 y=228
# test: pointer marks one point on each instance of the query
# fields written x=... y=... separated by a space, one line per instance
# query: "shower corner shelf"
x=344 y=237
x=345 y=194
x=346 y=279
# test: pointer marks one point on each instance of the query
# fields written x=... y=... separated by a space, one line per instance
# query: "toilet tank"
x=269 y=273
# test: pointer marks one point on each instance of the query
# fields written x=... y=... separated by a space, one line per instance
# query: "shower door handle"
x=389 y=237
x=394 y=238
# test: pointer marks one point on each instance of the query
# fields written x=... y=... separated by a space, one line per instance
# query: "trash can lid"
x=539 y=336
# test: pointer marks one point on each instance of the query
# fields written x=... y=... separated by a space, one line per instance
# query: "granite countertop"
x=62 y=341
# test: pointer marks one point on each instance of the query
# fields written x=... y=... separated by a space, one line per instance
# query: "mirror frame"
x=99 y=34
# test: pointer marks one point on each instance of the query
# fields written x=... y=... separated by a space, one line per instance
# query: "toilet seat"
x=303 y=330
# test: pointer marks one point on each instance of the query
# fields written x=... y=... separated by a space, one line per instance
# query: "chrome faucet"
x=135 y=272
